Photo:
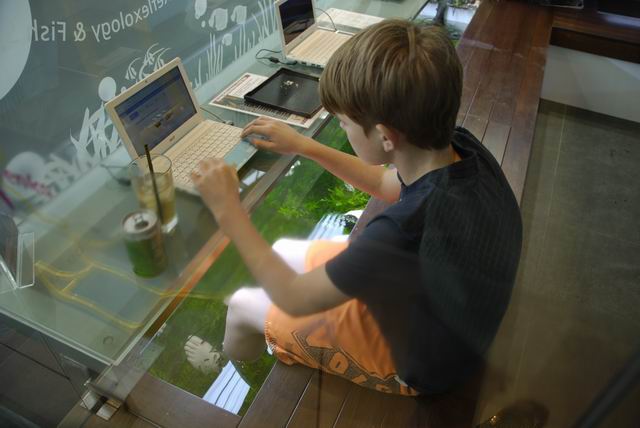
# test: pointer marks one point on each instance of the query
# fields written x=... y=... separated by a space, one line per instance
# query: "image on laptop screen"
x=153 y=113
x=297 y=16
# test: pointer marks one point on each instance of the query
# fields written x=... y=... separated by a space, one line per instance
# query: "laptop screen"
x=154 y=112
x=297 y=16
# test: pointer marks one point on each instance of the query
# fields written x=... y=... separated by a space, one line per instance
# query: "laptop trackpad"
x=240 y=154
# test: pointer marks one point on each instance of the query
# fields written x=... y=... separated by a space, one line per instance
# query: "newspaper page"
x=232 y=98
x=346 y=18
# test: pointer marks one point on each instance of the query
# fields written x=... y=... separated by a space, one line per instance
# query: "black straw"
x=153 y=182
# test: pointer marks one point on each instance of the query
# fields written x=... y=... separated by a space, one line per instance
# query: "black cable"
x=273 y=59
x=124 y=181
x=267 y=50
x=330 y=18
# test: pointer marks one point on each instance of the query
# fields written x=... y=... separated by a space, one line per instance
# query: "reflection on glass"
x=145 y=189
x=296 y=16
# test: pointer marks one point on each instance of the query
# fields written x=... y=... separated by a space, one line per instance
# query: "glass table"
x=86 y=297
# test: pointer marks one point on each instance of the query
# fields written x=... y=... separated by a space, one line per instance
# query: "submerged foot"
x=202 y=355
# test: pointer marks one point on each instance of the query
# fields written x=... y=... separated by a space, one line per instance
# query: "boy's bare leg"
x=244 y=332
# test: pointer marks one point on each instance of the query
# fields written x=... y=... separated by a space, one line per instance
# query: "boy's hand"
x=218 y=186
x=281 y=138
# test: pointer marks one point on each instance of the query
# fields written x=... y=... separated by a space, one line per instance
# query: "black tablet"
x=289 y=91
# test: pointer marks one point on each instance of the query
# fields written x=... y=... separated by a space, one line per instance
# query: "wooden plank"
x=476 y=126
x=485 y=97
x=590 y=21
x=278 y=397
x=29 y=343
x=516 y=156
x=596 y=45
x=486 y=36
x=504 y=105
x=33 y=391
x=76 y=417
x=123 y=418
x=476 y=54
x=321 y=402
x=477 y=25
x=495 y=139
x=473 y=75
x=169 y=406
x=405 y=412
x=454 y=410
x=480 y=21
x=507 y=35
x=365 y=408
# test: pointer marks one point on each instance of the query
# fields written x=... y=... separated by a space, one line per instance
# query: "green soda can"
x=143 y=239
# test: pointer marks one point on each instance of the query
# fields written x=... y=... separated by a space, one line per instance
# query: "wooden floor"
x=589 y=31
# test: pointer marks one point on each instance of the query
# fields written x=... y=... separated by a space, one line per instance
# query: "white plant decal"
x=147 y=64
x=98 y=138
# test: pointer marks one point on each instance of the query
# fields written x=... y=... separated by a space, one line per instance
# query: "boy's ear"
x=389 y=137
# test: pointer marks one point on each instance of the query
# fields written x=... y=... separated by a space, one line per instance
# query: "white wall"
x=592 y=82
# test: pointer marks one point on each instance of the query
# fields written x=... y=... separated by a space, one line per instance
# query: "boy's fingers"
x=262 y=144
x=254 y=129
x=259 y=121
x=195 y=177
x=207 y=165
x=203 y=166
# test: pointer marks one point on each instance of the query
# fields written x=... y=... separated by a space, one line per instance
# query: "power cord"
x=271 y=58
x=330 y=18
x=122 y=179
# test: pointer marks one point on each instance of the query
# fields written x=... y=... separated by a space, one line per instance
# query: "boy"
x=412 y=304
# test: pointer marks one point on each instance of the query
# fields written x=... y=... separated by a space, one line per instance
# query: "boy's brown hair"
x=401 y=74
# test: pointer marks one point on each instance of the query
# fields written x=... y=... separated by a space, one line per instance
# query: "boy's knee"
x=293 y=252
x=248 y=308
x=244 y=340
x=245 y=298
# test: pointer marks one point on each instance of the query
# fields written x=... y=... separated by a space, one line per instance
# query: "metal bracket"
x=17 y=254
x=97 y=403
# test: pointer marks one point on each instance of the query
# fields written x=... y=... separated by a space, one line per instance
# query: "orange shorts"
x=344 y=341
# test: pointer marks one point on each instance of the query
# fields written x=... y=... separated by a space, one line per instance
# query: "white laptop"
x=301 y=37
x=347 y=18
x=162 y=111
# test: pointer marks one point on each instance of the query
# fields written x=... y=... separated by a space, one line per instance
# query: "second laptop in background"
x=302 y=39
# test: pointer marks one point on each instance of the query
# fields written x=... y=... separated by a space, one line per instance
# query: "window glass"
x=63 y=59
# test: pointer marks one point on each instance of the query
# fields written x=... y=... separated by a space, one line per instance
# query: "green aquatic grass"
x=291 y=209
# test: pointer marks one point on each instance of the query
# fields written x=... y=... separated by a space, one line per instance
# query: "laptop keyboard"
x=319 y=46
x=217 y=140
